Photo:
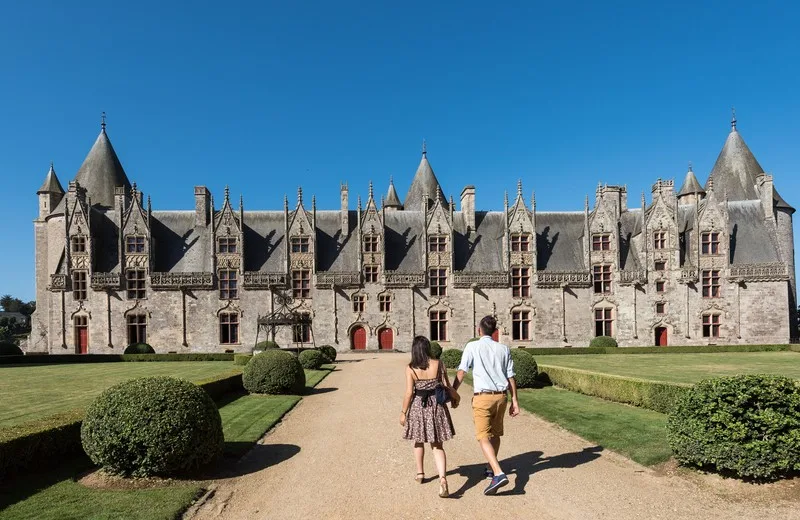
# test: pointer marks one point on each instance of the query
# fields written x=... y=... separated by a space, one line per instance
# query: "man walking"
x=492 y=377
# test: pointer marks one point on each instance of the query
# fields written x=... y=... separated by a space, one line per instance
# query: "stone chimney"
x=202 y=206
x=345 y=216
x=766 y=188
x=468 y=206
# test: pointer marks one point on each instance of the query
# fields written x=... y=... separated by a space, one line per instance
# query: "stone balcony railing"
x=259 y=280
x=396 y=279
x=176 y=281
x=102 y=281
x=58 y=282
x=629 y=277
x=488 y=279
x=688 y=275
x=338 y=279
x=555 y=279
x=766 y=272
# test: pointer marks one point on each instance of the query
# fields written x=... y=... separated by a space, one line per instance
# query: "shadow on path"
x=316 y=390
x=522 y=466
x=261 y=456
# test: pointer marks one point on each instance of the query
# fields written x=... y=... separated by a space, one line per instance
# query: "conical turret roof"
x=51 y=183
x=101 y=172
x=392 y=200
x=425 y=182
x=690 y=185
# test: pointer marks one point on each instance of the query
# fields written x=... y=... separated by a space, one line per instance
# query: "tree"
x=11 y=304
x=8 y=301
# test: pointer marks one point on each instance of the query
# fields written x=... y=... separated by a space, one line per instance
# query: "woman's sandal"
x=420 y=478
x=443 y=491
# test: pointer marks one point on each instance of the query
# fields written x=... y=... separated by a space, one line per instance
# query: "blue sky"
x=261 y=96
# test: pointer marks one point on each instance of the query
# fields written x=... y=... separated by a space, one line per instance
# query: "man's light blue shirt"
x=490 y=362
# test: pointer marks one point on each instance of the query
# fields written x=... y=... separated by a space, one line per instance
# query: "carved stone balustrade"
x=103 y=281
x=58 y=282
x=635 y=276
x=396 y=279
x=556 y=279
x=177 y=281
x=259 y=280
x=766 y=272
x=488 y=279
x=338 y=279
x=688 y=275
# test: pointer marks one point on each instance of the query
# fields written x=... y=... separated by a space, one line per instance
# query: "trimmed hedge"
x=152 y=426
x=329 y=351
x=748 y=425
x=139 y=348
x=688 y=349
x=435 y=350
x=9 y=349
x=526 y=372
x=654 y=395
x=452 y=357
x=274 y=372
x=242 y=359
x=265 y=345
x=603 y=342
x=312 y=359
x=56 y=359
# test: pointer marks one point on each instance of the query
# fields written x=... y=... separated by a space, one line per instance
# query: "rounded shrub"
x=139 y=348
x=747 y=425
x=603 y=342
x=312 y=359
x=9 y=349
x=526 y=371
x=436 y=350
x=266 y=345
x=152 y=426
x=274 y=372
x=329 y=351
x=451 y=357
x=241 y=359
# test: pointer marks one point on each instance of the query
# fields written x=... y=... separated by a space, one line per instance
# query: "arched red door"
x=386 y=339
x=358 y=338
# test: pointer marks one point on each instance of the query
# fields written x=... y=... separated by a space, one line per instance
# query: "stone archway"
x=386 y=339
x=358 y=338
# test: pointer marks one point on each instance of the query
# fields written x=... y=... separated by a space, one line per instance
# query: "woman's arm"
x=409 y=395
x=445 y=379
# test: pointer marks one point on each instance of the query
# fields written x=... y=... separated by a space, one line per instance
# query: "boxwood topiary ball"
x=274 y=372
x=525 y=368
x=266 y=345
x=312 y=359
x=139 y=348
x=9 y=349
x=329 y=352
x=152 y=426
x=603 y=342
x=436 y=350
x=451 y=357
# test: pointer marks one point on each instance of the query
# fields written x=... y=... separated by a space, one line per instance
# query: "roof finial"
x=133 y=187
x=314 y=202
x=690 y=165
x=733 y=118
x=370 y=189
x=227 y=193
x=533 y=200
x=358 y=205
x=241 y=200
x=644 y=202
x=391 y=180
x=103 y=122
x=149 y=204
x=710 y=183
x=299 y=195
x=424 y=148
x=52 y=169
x=285 y=202
x=505 y=199
x=586 y=204
x=519 y=188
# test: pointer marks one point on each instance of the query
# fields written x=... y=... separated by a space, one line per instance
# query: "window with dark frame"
x=521 y=242
x=661 y=286
x=301 y=283
x=227 y=245
x=300 y=244
x=711 y=325
x=437 y=279
x=437 y=243
x=371 y=244
x=229 y=328
x=228 y=284
x=520 y=282
x=359 y=302
x=710 y=243
x=135 y=284
x=661 y=308
x=79 y=285
x=301 y=332
x=134 y=244
x=137 y=328
x=520 y=325
x=371 y=274
x=601 y=275
x=438 y=325
x=79 y=244
x=660 y=265
x=659 y=240
x=601 y=242
x=603 y=322
x=385 y=302
x=710 y=283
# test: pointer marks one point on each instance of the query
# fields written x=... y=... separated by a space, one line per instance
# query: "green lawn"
x=682 y=368
x=32 y=392
x=244 y=420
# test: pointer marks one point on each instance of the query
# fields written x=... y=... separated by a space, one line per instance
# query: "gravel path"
x=339 y=454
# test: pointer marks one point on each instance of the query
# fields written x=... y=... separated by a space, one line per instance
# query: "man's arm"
x=458 y=379
x=464 y=367
x=514 y=409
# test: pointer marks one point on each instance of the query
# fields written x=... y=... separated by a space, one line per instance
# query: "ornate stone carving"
x=134 y=261
x=766 y=272
x=79 y=261
x=259 y=280
x=396 y=279
x=102 y=281
x=556 y=279
x=630 y=277
x=176 y=281
x=688 y=275
x=338 y=279
x=228 y=261
x=58 y=282
x=488 y=279
x=437 y=258
x=521 y=258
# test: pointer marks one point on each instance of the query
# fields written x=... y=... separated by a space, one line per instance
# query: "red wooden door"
x=661 y=337
x=358 y=339
x=83 y=340
x=496 y=335
x=386 y=339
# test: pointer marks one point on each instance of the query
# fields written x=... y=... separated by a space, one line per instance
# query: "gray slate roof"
x=177 y=246
x=51 y=184
x=481 y=251
x=425 y=182
x=690 y=185
x=392 y=200
x=101 y=172
x=264 y=241
x=336 y=253
x=751 y=241
x=559 y=241
x=403 y=233
x=105 y=235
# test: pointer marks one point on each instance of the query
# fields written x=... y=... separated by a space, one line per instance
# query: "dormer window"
x=79 y=244
x=710 y=243
x=660 y=240
x=437 y=244
x=227 y=245
x=134 y=244
x=601 y=242
x=371 y=244
x=521 y=242
x=300 y=244
x=359 y=303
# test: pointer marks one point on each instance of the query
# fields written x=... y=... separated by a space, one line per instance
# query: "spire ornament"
x=519 y=188
x=103 y=122
x=227 y=194
x=299 y=195
x=424 y=148
x=733 y=119
x=370 y=189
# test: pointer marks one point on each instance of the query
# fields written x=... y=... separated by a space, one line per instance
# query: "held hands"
x=402 y=419
x=513 y=410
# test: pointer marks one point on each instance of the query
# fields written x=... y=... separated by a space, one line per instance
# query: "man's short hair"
x=488 y=325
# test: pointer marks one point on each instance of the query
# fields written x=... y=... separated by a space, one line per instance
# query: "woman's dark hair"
x=488 y=325
x=420 y=353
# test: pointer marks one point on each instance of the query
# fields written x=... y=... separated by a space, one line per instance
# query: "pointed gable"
x=101 y=172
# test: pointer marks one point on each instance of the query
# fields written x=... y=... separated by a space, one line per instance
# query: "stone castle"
x=703 y=265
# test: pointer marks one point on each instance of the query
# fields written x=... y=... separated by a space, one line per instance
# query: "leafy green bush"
x=139 y=348
x=266 y=345
x=329 y=351
x=653 y=395
x=603 y=342
x=312 y=359
x=451 y=357
x=40 y=444
x=152 y=426
x=274 y=372
x=9 y=349
x=525 y=369
x=436 y=350
x=748 y=425
x=683 y=349
x=241 y=359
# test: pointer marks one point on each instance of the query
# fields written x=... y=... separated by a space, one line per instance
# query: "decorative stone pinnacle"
x=227 y=193
x=733 y=118
x=299 y=195
x=103 y=122
x=424 y=148
x=370 y=189
x=519 y=187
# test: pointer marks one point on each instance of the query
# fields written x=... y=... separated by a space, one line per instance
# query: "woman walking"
x=424 y=419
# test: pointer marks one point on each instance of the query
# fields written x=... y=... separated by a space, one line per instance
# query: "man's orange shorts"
x=487 y=412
